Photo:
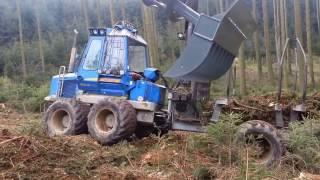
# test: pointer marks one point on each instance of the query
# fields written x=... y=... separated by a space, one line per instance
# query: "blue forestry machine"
x=111 y=92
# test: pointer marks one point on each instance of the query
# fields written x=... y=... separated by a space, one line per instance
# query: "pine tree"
x=256 y=42
x=298 y=33
x=85 y=13
x=39 y=31
x=284 y=36
x=123 y=9
x=111 y=11
x=309 y=42
x=23 y=58
x=99 y=13
x=267 y=39
x=242 y=67
x=150 y=33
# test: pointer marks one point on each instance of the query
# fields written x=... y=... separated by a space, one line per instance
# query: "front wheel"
x=66 y=117
x=265 y=138
x=111 y=121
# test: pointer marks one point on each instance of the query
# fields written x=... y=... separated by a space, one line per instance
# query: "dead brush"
x=122 y=154
x=227 y=158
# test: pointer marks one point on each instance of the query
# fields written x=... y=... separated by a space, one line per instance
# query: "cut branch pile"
x=263 y=107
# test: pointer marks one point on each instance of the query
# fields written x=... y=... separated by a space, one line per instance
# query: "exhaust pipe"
x=73 y=52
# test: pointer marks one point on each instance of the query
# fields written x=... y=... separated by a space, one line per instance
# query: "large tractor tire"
x=111 y=121
x=266 y=137
x=66 y=117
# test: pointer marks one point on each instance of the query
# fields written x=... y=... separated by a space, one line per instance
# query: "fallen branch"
x=246 y=106
x=9 y=140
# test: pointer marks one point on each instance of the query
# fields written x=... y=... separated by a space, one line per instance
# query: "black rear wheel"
x=111 y=121
x=264 y=138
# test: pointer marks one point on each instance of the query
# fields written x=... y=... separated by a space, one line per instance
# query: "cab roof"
x=127 y=33
x=120 y=29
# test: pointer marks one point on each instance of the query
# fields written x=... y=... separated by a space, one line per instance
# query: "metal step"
x=296 y=112
x=279 y=116
x=187 y=126
x=220 y=103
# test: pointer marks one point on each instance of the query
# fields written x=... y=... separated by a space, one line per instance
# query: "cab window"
x=92 y=58
x=115 y=56
x=137 y=56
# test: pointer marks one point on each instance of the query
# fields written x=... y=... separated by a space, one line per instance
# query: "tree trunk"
x=309 y=43
x=23 y=58
x=99 y=13
x=277 y=28
x=318 y=15
x=150 y=34
x=41 y=55
x=228 y=76
x=221 y=3
x=298 y=32
x=267 y=39
x=284 y=36
x=217 y=6
x=85 y=13
x=256 y=42
x=208 y=7
x=289 y=61
x=123 y=9
x=111 y=11
x=242 y=66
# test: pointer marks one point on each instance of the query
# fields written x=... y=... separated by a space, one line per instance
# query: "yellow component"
x=91 y=79
x=110 y=80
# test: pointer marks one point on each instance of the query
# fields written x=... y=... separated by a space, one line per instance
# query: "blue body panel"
x=120 y=88
x=148 y=91
x=70 y=87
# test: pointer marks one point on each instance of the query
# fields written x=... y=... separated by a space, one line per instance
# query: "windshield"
x=115 y=57
x=137 y=57
x=92 y=58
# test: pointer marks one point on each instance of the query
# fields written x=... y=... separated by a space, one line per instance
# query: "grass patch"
x=22 y=96
x=304 y=144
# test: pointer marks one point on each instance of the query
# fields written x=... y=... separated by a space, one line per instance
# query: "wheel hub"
x=105 y=120
x=261 y=147
x=60 y=120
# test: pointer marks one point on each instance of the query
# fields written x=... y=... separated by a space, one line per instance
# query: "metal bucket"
x=215 y=42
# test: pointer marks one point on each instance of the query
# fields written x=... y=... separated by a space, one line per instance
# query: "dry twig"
x=10 y=140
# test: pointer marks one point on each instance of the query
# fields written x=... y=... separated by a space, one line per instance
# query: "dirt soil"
x=27 y=153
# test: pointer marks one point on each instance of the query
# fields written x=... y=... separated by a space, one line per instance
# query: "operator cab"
x=126 y=51
x=114 y=63
x=114 y=52
x=110 y=58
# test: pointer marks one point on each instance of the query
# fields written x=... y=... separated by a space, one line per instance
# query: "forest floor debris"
x=27 y=153
x=263 y=107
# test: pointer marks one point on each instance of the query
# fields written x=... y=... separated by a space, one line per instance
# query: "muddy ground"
x=27 y=153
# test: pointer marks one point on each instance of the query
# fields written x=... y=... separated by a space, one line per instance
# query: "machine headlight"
x=140 y=98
